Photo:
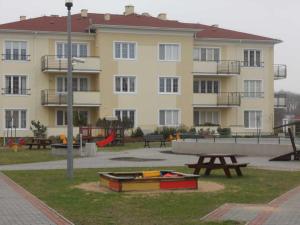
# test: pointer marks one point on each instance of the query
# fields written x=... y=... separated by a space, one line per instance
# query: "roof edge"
x=272 y=41
x=42 y=32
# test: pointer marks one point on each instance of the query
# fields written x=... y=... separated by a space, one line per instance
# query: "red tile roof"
x=81 y=24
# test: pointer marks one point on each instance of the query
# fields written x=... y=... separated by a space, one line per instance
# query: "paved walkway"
x=283 y=210
x=103 y=160
x=19 y=207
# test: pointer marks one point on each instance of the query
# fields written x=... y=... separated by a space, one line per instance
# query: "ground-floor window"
x=80 y=117
x=253 y=119
x=202 y=118
x=16 y=118
x=168 y=117
x=123 y=114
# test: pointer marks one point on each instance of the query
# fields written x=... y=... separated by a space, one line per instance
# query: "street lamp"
x=69 y=4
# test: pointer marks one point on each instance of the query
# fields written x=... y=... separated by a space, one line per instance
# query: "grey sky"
x=273 y=18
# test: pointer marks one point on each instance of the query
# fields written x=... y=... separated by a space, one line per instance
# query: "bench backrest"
x=154 y=137
x=189 y=135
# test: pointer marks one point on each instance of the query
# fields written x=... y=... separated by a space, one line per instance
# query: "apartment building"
x=155 y=71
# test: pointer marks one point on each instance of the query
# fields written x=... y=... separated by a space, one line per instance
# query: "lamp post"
x=69 y=4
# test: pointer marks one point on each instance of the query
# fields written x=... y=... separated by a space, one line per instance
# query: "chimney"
x=145 y=14
x=84 y=13
x=162 y=16
x=22 y=18
x=215 y=25
x=129 y=9
x=106 y=16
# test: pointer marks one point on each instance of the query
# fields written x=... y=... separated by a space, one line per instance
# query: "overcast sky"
x=274 y=18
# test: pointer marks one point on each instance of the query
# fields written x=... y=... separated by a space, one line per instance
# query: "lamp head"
x=69 y=4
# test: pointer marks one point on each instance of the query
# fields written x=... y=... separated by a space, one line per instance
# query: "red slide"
x=106 y=141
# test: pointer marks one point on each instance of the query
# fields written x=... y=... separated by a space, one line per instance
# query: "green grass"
x=7 y=156
x=89 y=208
x=131 y=146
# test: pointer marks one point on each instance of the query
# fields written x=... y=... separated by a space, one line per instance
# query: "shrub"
x=38 y=129
x=166 y=131
x=224 y=131
x=182 y=129
x=192 y=130
x=137 y=133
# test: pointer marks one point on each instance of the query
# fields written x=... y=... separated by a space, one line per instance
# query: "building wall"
x=147 y=68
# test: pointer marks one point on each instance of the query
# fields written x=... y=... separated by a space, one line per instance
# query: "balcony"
x=280 y=71
x=280 y=101
x=217 y=68
x=80 y=98
x=53 y=64
x=224 y=99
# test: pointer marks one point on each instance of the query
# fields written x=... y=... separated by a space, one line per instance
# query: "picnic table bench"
x=222 y=164
x=39 y=142
x=154 y=138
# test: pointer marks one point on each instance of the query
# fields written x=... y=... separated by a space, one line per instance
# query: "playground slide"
x=106 y=141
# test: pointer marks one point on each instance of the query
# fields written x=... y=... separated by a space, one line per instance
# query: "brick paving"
x=283 y=210
x=19 y=207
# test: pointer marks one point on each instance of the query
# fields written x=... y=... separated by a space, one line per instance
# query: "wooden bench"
x=190 y=136
x=39 y=142
x=154 y=138
x=211 y=165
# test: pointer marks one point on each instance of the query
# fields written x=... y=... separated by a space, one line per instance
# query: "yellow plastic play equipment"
x=151 y=174
x=64 y=139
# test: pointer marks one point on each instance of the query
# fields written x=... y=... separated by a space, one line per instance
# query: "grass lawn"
x=88 y=208
x=7 y=156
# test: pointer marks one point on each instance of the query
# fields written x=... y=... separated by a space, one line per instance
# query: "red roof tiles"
x=81 y=24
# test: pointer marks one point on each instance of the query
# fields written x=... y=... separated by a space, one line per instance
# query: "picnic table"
x=222 y=164
x=39 y=142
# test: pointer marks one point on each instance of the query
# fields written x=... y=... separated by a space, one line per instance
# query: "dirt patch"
x=203 y=186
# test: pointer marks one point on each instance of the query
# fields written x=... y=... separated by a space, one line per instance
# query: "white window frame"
x=65 y=112
x=261 y=122
x=18 y=75
x=121 y=82
x=165 y=85
x=65 y=53
x=208 y=47
x=169 y=60
x=206 y=80
x=74 y=77
x=256 y=94
x=168 y=125
x=121 y=55
x=19 y=60
x=18 y=109
x=206 y=112
x=123 y=109
x=255 y=62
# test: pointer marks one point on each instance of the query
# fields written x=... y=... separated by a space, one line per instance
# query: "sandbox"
x=148 y=181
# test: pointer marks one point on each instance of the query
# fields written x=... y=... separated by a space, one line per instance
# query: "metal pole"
x=69 y=98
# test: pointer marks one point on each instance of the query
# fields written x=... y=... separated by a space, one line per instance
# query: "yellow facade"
x=102 y=101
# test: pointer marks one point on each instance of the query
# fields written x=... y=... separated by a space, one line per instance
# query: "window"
x=253 y=88
x=206 y=54
x=168 y=85
x=15 y=85
x=169 y=117
x=125 y=84
x=16 y=50
x=78 y=50
x=202 y=118
x=79 y=84
x=253 y=119
x=252 y=58
x=169 y=52
x=16 y=118
x=206 y=86
x=124 y=114
x=124 y=50
x=80 y=118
